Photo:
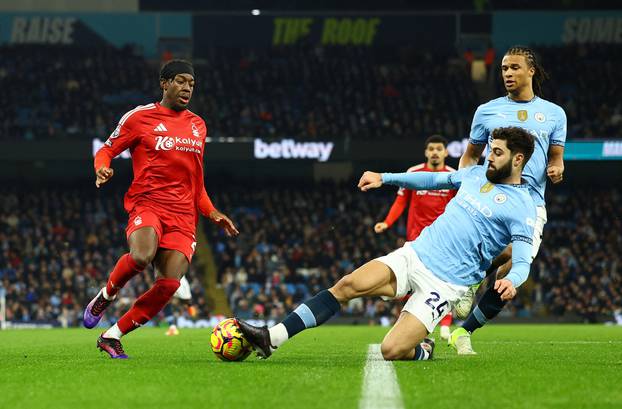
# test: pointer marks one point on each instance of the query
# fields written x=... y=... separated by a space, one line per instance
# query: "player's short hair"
x=436 y=139
x=176 y=66
x=517 y=140
x=534 y=62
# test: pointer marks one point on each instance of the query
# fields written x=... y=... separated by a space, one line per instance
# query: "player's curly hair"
x=533 y=61
x=517 y=139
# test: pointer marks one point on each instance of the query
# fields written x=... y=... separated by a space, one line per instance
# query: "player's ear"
x=518 y=159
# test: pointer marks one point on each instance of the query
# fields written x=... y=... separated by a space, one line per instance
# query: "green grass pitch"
x=518 y=366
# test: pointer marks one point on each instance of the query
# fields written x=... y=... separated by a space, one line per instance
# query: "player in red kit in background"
x=424 y=206
x=167 y=193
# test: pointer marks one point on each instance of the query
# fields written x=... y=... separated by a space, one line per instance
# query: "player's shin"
x=123 y=271
x=148 y=305
x=312 y=313
x=488 y=307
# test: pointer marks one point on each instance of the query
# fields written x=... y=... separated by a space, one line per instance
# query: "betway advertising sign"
x=291 y=149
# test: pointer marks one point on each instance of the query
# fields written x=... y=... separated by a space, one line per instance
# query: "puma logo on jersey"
x=160 y=128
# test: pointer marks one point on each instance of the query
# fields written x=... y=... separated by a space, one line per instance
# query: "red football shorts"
x=174 y=231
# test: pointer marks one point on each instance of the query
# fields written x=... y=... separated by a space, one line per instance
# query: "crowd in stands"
x=295 y=91
x=57 y=246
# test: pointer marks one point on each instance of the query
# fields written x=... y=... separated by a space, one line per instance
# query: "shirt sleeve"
x=123 y=137
x=401 y=201
x=561 y=127
x=479 y=134
x=521 y=229
x=521 y=262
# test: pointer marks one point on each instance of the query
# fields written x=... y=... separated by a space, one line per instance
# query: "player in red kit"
x=424 y=206
x=167 y=142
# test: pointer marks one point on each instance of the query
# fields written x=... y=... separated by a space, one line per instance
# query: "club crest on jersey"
x=522 y=115
x=138 y=221
x=195 y=130
x=486 y=188
x=540 y=117
x=500 y=198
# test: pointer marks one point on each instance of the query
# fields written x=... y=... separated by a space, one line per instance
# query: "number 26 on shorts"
x=438 y=309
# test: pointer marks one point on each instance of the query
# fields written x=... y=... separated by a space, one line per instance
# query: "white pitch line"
x=380 y=387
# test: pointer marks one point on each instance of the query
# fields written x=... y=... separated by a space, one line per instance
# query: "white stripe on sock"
x=380 y=387
x=113 y=332
x=278 y=335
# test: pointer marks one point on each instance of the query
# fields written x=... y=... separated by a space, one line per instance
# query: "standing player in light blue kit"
x=492 y=209
x=524 y=108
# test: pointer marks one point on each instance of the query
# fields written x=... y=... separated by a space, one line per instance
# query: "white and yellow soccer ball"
x=228 y=343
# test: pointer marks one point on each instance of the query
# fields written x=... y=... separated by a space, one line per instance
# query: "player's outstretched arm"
x=417 y=180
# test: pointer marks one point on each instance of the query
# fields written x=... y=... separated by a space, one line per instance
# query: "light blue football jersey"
x=476 y=226
x=545 y=120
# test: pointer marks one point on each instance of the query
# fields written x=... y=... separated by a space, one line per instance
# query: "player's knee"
x=142 y=257
x=391 y=351
x=344 y=289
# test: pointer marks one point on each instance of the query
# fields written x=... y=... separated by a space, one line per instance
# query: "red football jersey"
x=424 y=206
x=167 y=157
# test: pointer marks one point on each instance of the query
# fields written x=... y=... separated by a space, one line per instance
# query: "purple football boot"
x=111 y=346
x=95 y=310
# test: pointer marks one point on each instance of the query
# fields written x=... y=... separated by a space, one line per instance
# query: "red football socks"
x=446 y=321
x=149 y=304
x=124 y=270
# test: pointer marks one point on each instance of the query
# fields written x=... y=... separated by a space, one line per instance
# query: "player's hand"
x=224 y=222
x=555 y=173
x=506 y=289
x=380 y=227
x=103 y=175
x=370 y=180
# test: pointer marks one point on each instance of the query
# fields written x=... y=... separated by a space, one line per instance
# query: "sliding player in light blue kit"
x=524 y=108
x=492 y=209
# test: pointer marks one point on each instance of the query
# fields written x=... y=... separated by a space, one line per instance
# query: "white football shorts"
x=432 y=298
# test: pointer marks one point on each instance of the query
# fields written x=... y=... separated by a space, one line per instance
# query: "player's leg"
x=143 y=243
x=170 y=266
x=407 y=340
x=171 y=263
x=375 y=278
x=491 y=304
x=445 y=332
x=184 y=294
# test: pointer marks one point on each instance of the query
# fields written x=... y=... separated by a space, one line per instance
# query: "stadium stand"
x=306 y=92
x=58 y=245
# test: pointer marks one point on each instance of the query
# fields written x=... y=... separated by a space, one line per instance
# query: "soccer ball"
x=228 y=343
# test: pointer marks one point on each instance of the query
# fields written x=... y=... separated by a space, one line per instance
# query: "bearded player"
x=167 y=142
x=424 y=206
x=523 y=107
x=491 y=209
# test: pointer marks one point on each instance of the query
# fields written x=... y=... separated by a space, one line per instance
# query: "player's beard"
x=499 y=174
